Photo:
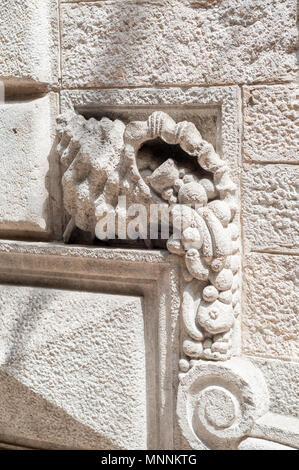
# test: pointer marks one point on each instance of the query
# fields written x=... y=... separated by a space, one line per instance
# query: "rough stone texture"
x=271 y=123
x=29 y=40
x=72 y=354
x=270 y=319
x=133 y=43
x=283 y=381
x=27 y=136
x=261 y=444
x=4 y=446
x=53 y=250
x=270 y=207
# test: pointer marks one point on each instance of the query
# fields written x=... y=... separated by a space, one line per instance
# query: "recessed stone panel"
x=27 y=135
x=89 y=346
x=29 y=41
x=270 y=207
x=270 y=317
x=214 y=110
x=181 y=42
x=73 y=357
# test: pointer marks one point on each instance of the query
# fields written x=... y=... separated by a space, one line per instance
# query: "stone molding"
x=152 y=275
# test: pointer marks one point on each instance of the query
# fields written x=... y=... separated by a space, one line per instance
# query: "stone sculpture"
x=99 y=163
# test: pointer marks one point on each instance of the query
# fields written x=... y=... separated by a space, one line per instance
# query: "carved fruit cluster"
x=99 y=161
x=206 y=209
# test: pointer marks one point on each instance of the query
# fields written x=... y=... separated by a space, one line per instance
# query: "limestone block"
x=270 y=319
x=271 y=123
x=4 y=446
x=270 y=207
x=72 y=368
x=29 y=40
x=282 y=378
x=178 y=42
x=27 y=135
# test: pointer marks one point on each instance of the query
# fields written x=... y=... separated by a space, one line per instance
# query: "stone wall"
x=88 y=358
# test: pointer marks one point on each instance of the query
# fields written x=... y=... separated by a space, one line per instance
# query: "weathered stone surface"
x=251 y=443
x=270 y=207
x=80 y=368
x=4 y=446
x=271 y=123
x=72 y=368
x=133 y=43
x=270 y=319
x=282 y=378
x=27 y=135
x=153 y=274
x=29 y=40
x=278 y=428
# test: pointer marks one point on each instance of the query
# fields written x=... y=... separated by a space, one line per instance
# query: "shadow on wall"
x=24 y=321
x=27 y=419
x=53 y=207
x=54 y=351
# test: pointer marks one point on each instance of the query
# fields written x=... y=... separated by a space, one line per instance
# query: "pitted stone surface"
x=270 y=318
x=30 y=420
x=252 y=443
x=133 y=43
x=270 y=207
x=27 y=135
x=81 y=352
x=29 y=40
x=282 y=379
x=278 y=428
x=219 y=407
x=74 y=369
x=271 y=123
